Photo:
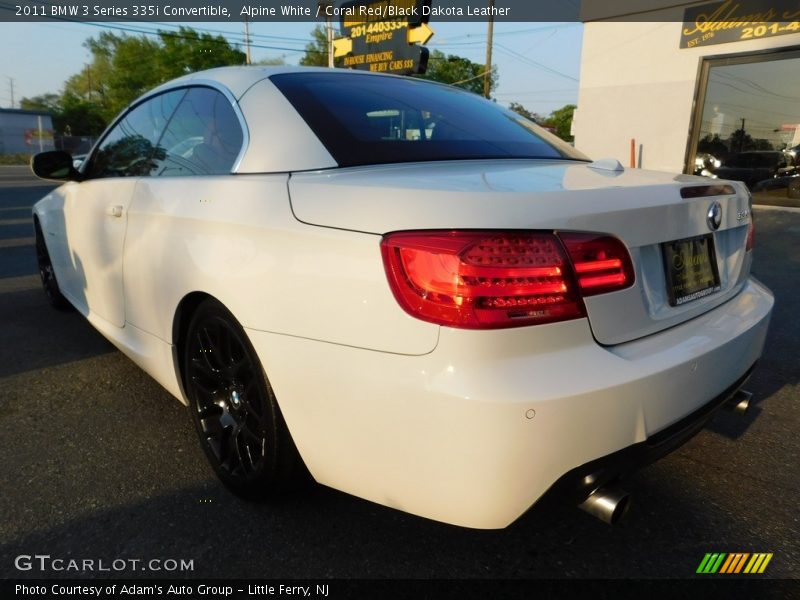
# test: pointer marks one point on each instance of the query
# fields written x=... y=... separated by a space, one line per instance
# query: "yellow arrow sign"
x=342 y=46
x=419 y=35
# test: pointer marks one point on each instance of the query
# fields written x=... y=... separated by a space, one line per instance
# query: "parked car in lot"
x=415 y=294
x=751 y=167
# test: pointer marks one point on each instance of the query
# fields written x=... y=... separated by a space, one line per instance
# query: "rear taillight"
x=494 y=279
x=602 y=263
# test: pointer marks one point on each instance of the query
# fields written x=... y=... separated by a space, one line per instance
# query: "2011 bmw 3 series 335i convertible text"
x=409 y=292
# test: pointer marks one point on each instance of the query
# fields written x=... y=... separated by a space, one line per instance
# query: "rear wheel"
x=234 y=408
x=46 y=272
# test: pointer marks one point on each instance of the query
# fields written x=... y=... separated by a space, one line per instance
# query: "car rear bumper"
x=581 y=481
x=476 y=431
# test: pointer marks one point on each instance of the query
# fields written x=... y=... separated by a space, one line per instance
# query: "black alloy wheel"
x=234 y=409
x=46 y=272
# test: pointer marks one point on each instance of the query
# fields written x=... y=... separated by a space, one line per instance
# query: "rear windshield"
x=365 y=120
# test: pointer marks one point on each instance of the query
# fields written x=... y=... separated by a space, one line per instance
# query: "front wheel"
x=234 y=409
x=46 y=272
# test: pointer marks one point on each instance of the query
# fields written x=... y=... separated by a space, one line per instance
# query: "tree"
x=123 y=67
x=458 y=71
x=561 y=122
x=49 y=103
x=521 y=110
x=77 y=116
x=316 y=54
x=188 y=51
x=712 y=144
x=741 y=141
x=271 y=61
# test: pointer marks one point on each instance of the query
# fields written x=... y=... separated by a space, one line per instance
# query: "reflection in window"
x=365 y=120
x=750 y=124
x=203 y=137
x=131 y=148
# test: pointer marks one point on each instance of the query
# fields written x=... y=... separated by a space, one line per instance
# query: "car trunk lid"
x=646 y=210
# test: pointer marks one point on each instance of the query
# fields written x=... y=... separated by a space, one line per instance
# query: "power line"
x=533 y=63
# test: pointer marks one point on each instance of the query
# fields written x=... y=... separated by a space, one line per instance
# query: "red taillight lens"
x=751 y=233
x=494 y=279
x=481 y=280
x=602 y=263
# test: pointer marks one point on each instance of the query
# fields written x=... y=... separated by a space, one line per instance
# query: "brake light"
x=481 y=279
x=493 y=279
x=602 y=263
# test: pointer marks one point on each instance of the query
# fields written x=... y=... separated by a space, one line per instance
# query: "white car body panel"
x=89 y=221
x=237 y=240
x=447 y=435
x=466 y=427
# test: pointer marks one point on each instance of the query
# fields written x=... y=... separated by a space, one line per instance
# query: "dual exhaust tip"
x=610 y=503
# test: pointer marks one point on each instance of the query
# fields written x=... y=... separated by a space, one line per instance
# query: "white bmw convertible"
x=414 y=294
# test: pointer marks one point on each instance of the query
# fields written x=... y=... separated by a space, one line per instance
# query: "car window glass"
x=367 y=120
x=203 y=137
x=131 y=148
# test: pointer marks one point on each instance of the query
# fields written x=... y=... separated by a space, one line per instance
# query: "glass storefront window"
x=747 y=127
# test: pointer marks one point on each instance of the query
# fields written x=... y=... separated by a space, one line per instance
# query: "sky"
x=538 y=63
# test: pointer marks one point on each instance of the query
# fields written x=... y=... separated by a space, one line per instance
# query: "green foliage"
x=49 y=103
x=317 y=49
x=561 y=121
x=122 y=68
x=77 y=116
x=458 y=71
x=272 y=61
x=15 y=159
x=521 y=110
x=188 y=51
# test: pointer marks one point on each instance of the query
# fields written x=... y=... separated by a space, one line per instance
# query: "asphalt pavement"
x=100 y=463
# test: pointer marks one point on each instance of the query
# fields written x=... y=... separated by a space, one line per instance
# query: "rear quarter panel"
x=235 y=238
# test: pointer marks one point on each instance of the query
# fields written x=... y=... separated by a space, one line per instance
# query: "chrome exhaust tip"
x=609 y=504
x=739 y=402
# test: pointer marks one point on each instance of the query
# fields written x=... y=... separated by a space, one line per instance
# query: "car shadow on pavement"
x=43 y=337
x=324 y=534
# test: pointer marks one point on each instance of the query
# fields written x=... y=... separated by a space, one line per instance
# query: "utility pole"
x=324 y=6
x=11 y=89
x=246 y=41
x=741 y=138
x=487 y=75
x=89 y=87
x=329 y=26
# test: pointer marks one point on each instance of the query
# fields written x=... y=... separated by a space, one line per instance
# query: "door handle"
x=114 y=211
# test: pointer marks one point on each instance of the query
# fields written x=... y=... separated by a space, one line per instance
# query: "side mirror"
x=55 y=164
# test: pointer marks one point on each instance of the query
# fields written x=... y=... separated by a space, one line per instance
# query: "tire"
x=234 y=409
x=47 y=273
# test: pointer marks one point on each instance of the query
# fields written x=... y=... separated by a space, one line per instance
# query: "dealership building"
x=676 y=81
